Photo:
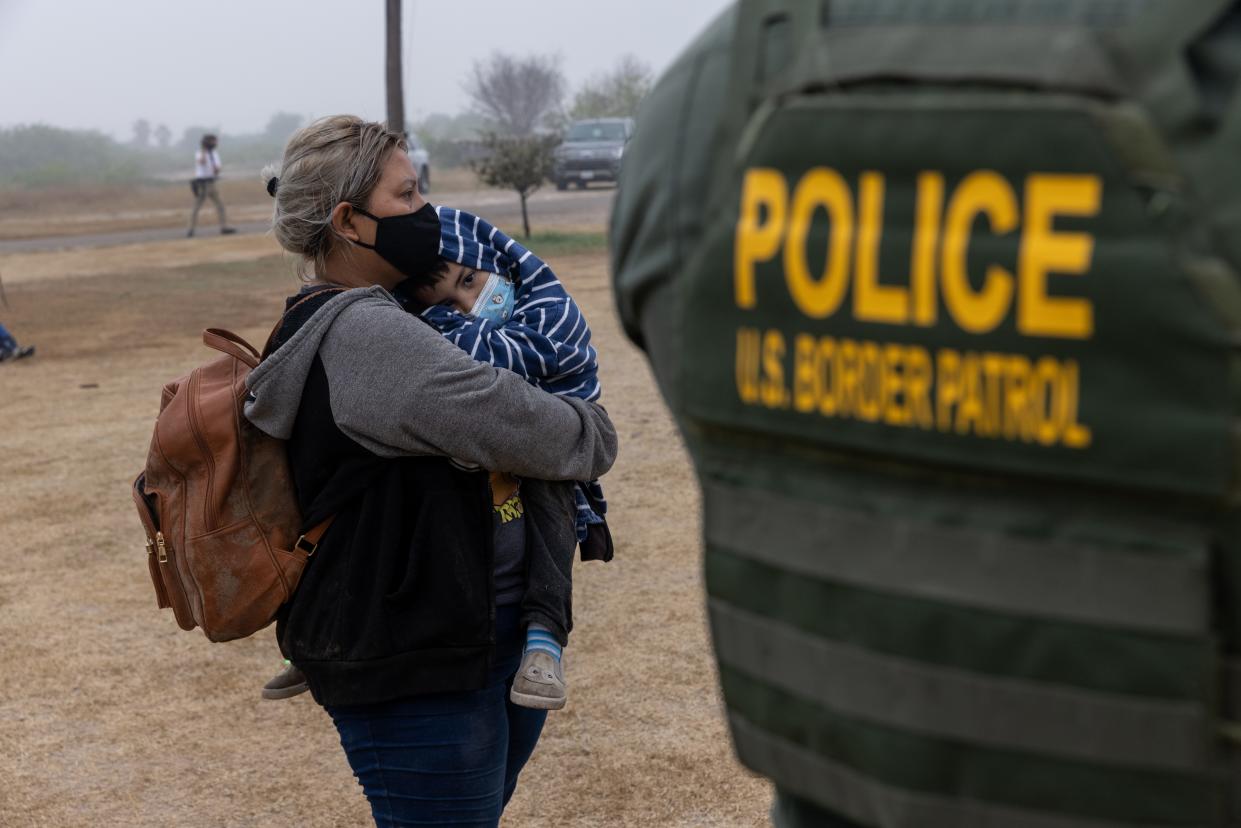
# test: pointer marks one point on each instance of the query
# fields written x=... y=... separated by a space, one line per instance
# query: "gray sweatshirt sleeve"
x=399 y=388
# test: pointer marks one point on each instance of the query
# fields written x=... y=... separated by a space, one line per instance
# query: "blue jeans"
x=445 y=759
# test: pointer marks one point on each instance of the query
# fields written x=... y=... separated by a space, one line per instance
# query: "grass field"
x=109 y=715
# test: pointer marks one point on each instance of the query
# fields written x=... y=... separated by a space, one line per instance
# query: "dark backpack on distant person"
x=224 y=539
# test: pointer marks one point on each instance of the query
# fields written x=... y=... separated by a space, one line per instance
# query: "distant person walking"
x=206 y=171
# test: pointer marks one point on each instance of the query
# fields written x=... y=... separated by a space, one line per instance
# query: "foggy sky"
x=232 y=63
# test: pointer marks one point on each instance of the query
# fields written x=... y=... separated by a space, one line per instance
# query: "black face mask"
x=410 y=242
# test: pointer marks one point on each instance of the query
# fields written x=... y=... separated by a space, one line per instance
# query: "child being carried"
x=501 y=304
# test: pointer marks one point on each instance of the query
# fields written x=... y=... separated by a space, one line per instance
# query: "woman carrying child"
x=397 y=624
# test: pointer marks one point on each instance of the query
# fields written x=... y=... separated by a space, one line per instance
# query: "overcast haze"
x=231 y=64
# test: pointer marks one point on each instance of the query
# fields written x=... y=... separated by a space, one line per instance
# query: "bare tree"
x=614 y=94
x=396 y=93
x=517 y=94
x=519 y=163
x=163 y=136
x=142 y=133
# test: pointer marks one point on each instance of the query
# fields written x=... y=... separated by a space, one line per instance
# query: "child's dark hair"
x=406 y=291
x=430 y=277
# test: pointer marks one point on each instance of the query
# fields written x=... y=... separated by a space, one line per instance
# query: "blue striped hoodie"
x=546 y=340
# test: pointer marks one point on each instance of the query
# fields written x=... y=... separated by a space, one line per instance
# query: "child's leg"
x=550 y=510
x=547 y=611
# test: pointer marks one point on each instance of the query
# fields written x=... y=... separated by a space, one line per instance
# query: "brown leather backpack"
x=216 y=499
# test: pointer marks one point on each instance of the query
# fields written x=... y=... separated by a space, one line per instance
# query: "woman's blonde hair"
x=334 y=159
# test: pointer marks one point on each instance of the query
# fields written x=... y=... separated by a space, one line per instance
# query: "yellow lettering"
x=929 y=213
x=870 y=400
x=981 y=193
x=828 y=402
x=993 y=375
x=1075 y=434
x=918 y=382
x=821 y=187
x=970 y=411
x=948 y=387
x=873 y=302
x=1045 y=382
x=1043 y=250
x=806 y=384
x=1018 y=422
x=979 y=394
x=775 y=395
x=896 y=402
x=847 y=377
x=747 y=365
x=763 y=190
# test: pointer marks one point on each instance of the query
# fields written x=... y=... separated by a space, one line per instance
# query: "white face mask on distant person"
x=495 y=301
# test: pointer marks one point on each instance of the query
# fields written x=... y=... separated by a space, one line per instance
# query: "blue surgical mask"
x=495 y=302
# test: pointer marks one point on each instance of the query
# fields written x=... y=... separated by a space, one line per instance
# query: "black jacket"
x=398 y=600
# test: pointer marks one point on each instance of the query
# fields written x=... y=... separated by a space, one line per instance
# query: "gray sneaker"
x=15 y=353
x=539 y=682
x=289 y=683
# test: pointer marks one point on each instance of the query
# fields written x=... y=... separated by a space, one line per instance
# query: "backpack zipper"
x=174 y=582
x=157 y=552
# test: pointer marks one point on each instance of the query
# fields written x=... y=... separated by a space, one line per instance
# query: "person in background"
x=10 y=350
x=206 y=171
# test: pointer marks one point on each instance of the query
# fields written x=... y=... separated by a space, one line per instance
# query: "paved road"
x=576 y=208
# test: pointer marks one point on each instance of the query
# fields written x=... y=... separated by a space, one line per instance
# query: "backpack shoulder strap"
x=298 y=314
x=309 y=542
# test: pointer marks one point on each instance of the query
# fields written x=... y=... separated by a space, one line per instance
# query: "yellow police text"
x=775 y=221
x=985 y=394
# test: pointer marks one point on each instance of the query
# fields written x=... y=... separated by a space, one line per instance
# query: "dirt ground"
x=104 y=208
x=109 y=715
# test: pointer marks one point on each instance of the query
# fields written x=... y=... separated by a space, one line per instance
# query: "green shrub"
x=43 y=156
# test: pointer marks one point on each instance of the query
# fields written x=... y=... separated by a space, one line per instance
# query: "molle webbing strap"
x=784 y=45
x=1060 y=58
x=933 y=13
x=961 y=705
x=967 y=565
x=1099 y=47
x=869 y=802
x=864 y=651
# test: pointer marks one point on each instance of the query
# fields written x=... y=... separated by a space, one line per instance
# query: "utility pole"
x=396 y=94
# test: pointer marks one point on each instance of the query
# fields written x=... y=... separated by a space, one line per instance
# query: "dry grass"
x=101 y=208
x=111 y=716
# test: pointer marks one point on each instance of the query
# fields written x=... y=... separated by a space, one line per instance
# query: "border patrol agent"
x=944 y=295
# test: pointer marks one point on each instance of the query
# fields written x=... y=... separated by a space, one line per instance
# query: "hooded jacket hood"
x=276 y=385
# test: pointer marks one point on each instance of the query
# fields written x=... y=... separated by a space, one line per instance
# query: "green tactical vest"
x=944 y=295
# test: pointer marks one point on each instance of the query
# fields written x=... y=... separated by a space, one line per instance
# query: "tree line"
x=39 y=155
x=519 y=106
x=521 y=101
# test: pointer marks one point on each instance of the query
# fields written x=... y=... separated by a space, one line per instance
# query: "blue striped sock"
x=539 y=637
